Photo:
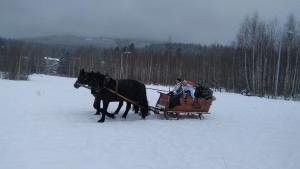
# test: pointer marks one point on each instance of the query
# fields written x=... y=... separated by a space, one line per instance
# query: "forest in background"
x=264 y=58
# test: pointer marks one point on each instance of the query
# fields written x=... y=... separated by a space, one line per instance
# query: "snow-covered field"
x=46 y=123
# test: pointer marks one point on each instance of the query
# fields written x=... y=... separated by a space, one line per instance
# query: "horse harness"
x=125 y=98
x=116 y=92
x=98 y=89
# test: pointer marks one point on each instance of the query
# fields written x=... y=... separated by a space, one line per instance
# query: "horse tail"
x=144 y=101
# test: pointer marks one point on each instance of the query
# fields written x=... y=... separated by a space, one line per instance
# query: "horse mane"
x=96 y=79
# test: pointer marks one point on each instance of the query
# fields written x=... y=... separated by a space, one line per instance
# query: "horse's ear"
x=81 y=71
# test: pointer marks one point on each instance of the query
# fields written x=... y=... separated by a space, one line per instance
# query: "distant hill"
x=71 y=40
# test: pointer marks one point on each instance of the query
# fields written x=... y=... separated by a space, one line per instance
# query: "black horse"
x=97 y=103
x=85 y=78
x=131 y=90
x=96 y=82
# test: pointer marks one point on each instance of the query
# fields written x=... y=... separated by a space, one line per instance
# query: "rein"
x=157 y=89
x=154 y=109
x=98 y=89
x=121 y=96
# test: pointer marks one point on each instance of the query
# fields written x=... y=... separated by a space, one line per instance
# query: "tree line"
x=264 y=59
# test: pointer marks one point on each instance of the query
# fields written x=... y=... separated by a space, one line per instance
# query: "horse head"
x=96 y=81
x=84 y=78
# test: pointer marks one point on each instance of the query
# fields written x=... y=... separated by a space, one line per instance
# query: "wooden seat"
x=187 y=104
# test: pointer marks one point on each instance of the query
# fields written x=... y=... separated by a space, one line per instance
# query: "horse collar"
x=98 y=89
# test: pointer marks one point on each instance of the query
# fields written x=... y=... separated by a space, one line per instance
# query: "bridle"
x=98 y=88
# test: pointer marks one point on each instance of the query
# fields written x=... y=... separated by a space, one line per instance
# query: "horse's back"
x=129 y=84
x=136 y=91
x=132 y=88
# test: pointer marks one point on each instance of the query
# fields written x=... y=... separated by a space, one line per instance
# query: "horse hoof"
x=97 y=113
x=111 y=116
x=124 y=117
x=100 y=121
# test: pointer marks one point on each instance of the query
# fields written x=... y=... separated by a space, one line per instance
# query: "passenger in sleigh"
x=202 y=91
x=175 y=94
x=188 y=89
x=182 y=88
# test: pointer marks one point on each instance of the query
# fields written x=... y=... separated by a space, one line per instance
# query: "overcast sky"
x=196 y=21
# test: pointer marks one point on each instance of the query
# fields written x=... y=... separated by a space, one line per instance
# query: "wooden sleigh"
x=188 y=107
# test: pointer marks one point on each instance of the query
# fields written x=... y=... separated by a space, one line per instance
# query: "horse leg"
x=96 y=105
x=105 y=105
x=119 y=107
x=136 y=109
x=144 y=112
x=105 y=110
x=128 y=105
x=105 y=113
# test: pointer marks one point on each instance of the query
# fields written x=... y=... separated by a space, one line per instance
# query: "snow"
x=48 y=124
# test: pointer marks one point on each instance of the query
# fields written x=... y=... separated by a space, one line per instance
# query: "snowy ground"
x=48 y=124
